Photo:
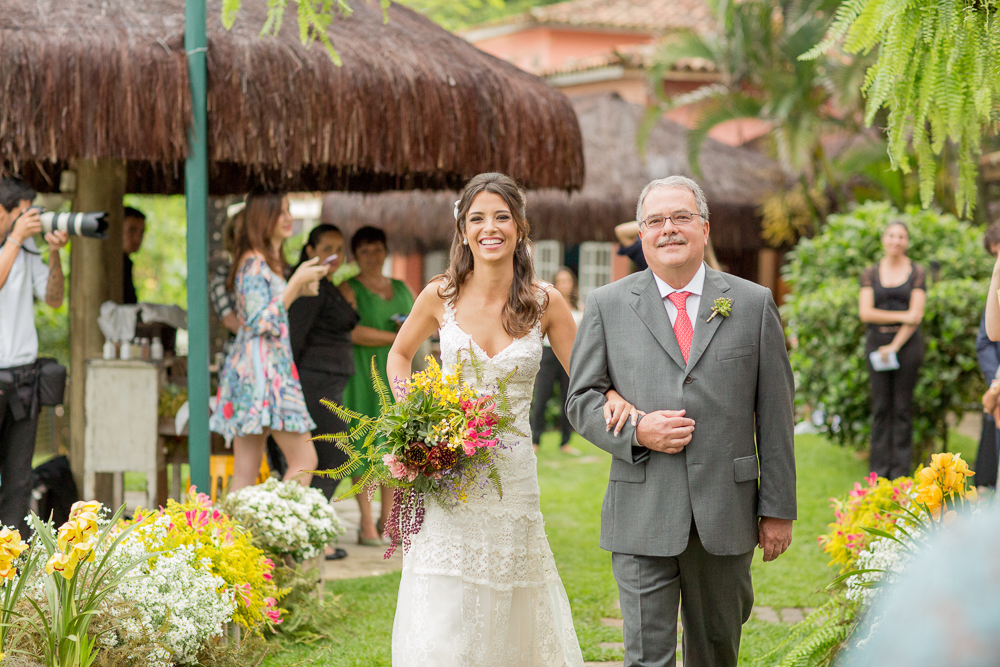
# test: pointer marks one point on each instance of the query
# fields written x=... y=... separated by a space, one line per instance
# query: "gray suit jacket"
x=737 y=385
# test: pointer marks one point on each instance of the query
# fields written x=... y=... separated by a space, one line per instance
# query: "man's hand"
x=667 y=431
x=56 y=240
x=26 y=226
x=774 y=536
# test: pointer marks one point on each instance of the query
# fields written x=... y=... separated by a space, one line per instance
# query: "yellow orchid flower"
x=926 y=476
x=10 y=541
x=87 y=522
x=91 y=506
x=930 y=495
x=61 y=563
x=69 y=533
x=83 y=551
x=951 y=480
x=941 y=461
x=972 y=495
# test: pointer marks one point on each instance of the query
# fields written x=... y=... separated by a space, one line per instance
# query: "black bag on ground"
x=51 y=381
x=54 y=490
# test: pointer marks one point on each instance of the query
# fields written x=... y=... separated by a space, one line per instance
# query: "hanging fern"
x=314 y=17
x=937 y=73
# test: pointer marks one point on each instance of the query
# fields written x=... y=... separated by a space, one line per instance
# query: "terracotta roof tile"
x=656 y=15
x=631 y=55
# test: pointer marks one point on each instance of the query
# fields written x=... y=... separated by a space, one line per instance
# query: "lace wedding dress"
x=479 y=585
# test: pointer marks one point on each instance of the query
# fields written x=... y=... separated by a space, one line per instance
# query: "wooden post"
x=95 y=277
x=768 y=265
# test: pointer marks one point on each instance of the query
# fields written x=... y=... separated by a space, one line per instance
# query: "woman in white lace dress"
x=479 y=584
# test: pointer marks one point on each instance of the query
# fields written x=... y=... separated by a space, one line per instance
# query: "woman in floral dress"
x=259 y=389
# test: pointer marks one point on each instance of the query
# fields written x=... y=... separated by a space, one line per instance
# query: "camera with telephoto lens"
x=93 y=225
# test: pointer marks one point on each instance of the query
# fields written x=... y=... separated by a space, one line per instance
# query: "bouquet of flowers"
x=285 y=517
x=439 y=439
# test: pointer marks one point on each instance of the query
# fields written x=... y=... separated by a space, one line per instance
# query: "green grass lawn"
x=572 y=491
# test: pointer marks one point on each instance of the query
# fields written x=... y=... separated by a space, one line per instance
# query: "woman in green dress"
x=382 y=303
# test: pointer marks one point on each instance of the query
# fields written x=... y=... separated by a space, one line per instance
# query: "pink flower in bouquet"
x=396 y=467
x=268 y=568
x=469 y=446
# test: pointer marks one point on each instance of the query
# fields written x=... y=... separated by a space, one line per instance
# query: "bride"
x=479 y=584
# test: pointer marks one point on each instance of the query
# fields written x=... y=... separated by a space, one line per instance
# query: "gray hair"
x=674 y=182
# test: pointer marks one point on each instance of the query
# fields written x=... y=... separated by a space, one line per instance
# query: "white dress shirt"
x=695 y=287
x=27 y=280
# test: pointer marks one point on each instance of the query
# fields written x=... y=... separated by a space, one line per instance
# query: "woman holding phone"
x=259 y=389
x=891 y=303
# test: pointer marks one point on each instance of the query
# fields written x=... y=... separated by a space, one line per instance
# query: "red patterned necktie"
x=682 y=323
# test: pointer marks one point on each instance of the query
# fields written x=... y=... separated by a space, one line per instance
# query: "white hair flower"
x=457 y=202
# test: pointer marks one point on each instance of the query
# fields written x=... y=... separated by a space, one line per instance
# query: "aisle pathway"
x=361 y=561
x=789 y=615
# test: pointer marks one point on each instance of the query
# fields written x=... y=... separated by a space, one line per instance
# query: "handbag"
x=51 y=378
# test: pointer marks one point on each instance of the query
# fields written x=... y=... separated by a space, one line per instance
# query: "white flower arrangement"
x=886 y=558
x=176 y=594
x=285 y=518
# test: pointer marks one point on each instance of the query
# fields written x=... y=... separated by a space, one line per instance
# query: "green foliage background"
x=828 y=336
x=935 y=72
x=159 y=269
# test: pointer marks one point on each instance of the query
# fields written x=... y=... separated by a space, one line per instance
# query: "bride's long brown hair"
x=522 y=310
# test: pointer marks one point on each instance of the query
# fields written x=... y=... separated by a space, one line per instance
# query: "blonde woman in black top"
x=892 y=303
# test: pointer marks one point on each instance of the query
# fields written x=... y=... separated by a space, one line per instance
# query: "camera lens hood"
x=93 y=225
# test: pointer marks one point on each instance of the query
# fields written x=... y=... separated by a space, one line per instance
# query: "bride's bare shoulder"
x=432 y=292
x=430 y=300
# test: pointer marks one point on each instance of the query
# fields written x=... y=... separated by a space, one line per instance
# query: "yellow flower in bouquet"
x=438 y=438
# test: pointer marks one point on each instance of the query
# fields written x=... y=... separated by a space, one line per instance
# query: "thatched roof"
x=734 y=180
x=412 y=107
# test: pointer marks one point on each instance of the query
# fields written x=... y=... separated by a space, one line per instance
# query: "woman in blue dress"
x=259 y=388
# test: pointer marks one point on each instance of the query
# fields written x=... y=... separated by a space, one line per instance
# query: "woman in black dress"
x=320 y=330
x=892 y=305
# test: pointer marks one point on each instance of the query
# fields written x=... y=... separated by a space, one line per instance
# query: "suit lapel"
x=715 y=287
x=648 y=305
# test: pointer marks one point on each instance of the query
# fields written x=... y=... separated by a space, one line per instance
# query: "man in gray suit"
x=709 y=472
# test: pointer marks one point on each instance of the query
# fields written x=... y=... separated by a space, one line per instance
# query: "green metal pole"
x=196 y=190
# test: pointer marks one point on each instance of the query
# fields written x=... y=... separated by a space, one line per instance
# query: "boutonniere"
x=722 y=306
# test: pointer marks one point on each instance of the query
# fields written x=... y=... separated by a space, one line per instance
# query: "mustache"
x=673 y=238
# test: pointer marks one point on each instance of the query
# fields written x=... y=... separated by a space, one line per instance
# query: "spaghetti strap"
x=449 y=310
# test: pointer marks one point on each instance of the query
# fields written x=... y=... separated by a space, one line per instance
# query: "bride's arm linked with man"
x=708 y=473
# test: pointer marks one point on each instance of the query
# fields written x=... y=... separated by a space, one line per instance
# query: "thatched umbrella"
x=412 y=107
x=734 y=179
x=102 y=87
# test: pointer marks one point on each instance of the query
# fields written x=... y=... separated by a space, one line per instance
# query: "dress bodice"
x=521 y=359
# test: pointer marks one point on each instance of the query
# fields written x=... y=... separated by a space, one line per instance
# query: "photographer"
x=23 y=277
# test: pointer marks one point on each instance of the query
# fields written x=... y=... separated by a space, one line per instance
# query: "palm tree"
x=808 y=104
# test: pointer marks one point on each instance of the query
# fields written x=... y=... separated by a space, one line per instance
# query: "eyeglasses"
x=679 y=218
